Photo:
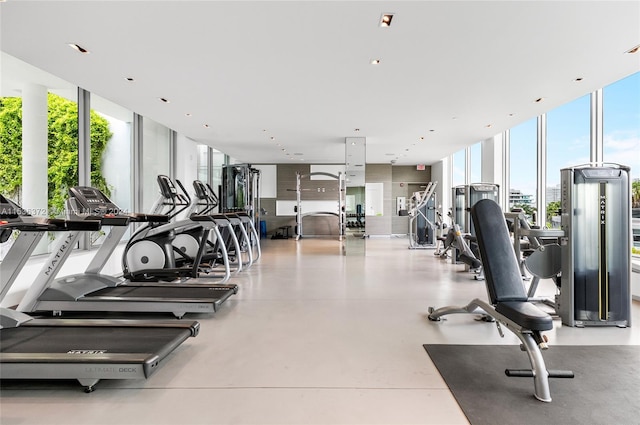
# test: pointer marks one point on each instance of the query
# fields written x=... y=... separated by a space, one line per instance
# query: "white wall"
x=268 y=180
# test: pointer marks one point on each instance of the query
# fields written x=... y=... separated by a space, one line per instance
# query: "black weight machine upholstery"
x=508 y=304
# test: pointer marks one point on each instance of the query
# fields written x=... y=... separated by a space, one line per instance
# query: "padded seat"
x=526 y=315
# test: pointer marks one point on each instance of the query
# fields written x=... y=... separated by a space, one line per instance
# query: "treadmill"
x=84 y=350
x=93 y=291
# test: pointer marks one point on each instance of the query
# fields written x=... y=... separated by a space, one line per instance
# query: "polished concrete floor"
x=321 y=332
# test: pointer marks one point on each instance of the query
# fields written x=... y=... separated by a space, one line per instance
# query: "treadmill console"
x=8 y=209
x=92 y=201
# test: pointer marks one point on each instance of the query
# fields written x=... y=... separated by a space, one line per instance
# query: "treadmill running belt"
x=111 y=340
x=169 y=293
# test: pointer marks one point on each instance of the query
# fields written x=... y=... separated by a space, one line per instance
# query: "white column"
x=441 y=172
x=34 y=153
x=491 y=169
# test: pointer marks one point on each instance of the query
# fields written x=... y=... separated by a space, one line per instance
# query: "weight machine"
x=421 y=229
x=340 y=212
x=596 y=248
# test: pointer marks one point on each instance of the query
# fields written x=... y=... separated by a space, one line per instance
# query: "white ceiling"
x=300 y=72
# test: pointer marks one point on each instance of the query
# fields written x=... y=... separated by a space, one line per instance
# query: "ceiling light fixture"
x=165 y=100
x=538 y=100
x=356 y=129
x=577 y=80
x=78 y=48
x=205 y=125
x=187 y=114
x=385 y=20
x=130 y=79
x=375 y=61
x=633 y=50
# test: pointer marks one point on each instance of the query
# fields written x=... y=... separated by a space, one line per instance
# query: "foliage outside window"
x=62 y=170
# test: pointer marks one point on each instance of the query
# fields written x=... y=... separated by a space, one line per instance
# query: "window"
x=523 y=169
x=621 y=106
x=476 y=163
x=568 y=143
x=156 y=159
x=116 y=155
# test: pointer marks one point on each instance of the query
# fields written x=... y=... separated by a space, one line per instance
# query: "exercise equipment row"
x=89 y=350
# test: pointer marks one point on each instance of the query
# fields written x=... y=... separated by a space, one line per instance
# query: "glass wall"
x=621 y=122
x=203 y=164
x=458 y=177
x=218 y=160
x=115 y=156
x=523 y=170
x=621 y=106
x=476 y=163
x=156 y=159
x=38 y=140
x=568 y=144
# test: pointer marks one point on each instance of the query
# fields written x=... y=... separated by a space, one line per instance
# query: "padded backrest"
x=502 y=273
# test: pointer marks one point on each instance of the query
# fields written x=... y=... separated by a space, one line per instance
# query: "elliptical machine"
x=455 y=245
x=177 y=245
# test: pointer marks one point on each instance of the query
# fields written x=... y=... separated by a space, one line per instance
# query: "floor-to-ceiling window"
x=523 y=169
x=568 y=142
x=156 y=159
x=476 y=163
x=112 y=153
x=621 y=123
x=38 y=140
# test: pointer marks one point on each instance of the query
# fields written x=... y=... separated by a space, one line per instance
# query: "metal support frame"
x=528 y=338
x=342 y=193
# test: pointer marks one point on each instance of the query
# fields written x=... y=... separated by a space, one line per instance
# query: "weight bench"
x=509 y=305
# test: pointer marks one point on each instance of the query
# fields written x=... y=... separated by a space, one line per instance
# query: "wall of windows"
x=117 y=156
x=475 y=162
x=568 y=144
x=621 y=123
x=523 y=168
x=156 y=159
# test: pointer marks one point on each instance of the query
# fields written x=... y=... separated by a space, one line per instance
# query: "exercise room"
x=307 y=212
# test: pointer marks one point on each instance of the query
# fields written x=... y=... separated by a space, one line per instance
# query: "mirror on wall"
x=355 y=157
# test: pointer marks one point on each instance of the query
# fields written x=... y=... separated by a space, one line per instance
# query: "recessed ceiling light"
x=375 y=61
x=512 y=115
x=633 y=49
x=130 y=79
x=488 y=125
x=187 y=114
x=385 y=20
x=577 y=80
x=273 y=138
x=205 y=125
x=538 y=100
x=78 y=48
x=356 y=129
x=162 y=99
x=432 y=130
